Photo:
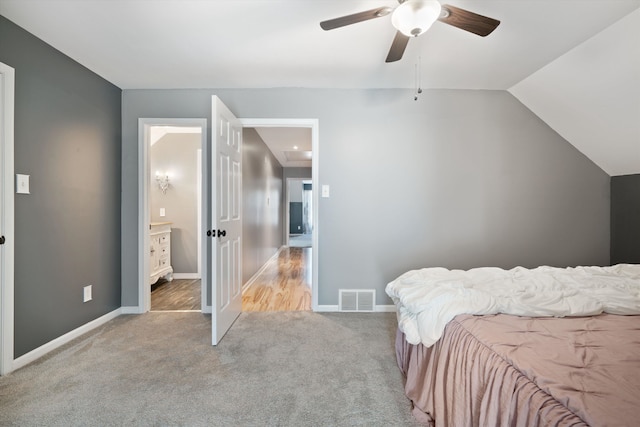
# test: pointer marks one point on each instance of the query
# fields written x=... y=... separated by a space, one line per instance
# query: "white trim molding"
x=270 y=261
x=132 y=309
x=326 y=308
x=334 y=308
x=64 y=339
x=186 y=276
x=7 y=103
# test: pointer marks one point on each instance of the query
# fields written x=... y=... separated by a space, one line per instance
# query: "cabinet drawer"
x=160 y=251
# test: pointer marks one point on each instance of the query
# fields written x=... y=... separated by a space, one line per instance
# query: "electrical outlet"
x=86 y=293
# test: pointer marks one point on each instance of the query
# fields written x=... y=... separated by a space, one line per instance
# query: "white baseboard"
x=273 y=258
x=87 y=327
x=207 y=309
x=134 y=309
x=186 y=276
x=63 y=339
x=334 y=308
x=326 y=308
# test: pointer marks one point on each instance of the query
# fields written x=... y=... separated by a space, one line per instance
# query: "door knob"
x=2 y=240
x=222 y=233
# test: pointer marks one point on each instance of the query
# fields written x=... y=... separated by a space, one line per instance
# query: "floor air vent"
x=357 y=300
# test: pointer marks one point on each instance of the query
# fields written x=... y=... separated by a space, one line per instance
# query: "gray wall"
x=295 y=191
x=459 y=179
x=67 y=137
x=176 y=153
x=625 y=219
x=297 y=173
x=261 y=204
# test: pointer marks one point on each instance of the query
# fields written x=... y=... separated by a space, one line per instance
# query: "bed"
x=548 y=346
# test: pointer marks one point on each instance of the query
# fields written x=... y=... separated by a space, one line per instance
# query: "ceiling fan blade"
x=355 y=18
x=397 y=47
x=468 y=21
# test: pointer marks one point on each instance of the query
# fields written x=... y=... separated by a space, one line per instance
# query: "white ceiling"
x=291 y=146
x=279 y=43
x=157 y=132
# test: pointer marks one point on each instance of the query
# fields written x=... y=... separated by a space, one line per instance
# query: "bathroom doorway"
x=174 y=205
x=172 y=269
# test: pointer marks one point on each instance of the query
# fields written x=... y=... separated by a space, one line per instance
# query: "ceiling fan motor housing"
x=414 y=17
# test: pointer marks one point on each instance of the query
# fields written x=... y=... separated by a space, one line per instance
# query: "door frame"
x=314 y=125
x=144 y=181
x=7 y=217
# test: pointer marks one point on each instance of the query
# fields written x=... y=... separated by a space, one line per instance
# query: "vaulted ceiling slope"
x=591 y=96
x=571 y=61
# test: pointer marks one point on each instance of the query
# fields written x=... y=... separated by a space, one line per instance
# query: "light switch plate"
x=325 y=191
x=162 y=212
x=22 y=184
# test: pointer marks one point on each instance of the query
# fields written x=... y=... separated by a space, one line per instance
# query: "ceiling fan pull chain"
x=418 y=88
x=415 y=86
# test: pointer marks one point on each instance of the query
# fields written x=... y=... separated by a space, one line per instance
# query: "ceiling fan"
x=413 y=17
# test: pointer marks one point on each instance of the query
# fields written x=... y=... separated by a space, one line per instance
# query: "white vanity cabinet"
x=160 y=252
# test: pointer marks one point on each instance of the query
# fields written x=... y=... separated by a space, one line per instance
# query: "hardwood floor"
x=284 y=285
x=179 y=294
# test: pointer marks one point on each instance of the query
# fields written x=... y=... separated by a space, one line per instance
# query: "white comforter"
x=428 y=299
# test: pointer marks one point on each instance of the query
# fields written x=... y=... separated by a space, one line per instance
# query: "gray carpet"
x=272 y=369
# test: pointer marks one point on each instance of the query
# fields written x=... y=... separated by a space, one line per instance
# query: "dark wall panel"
x=68 y=139
x=625 y=219
x=295 y=218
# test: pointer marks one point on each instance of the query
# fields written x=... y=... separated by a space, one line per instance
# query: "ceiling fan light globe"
x=414 y=17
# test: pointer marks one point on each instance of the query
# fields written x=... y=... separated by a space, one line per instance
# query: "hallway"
x=284 y=285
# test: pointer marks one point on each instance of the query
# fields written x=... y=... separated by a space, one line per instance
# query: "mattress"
x=429 y=298
x=505 y=370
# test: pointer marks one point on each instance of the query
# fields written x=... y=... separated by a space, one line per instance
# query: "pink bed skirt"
x=503 y=370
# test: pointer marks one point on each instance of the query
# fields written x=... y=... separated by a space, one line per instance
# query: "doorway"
x=172 y=198
x=174 y=162
x=313 y=125
x=144 y=297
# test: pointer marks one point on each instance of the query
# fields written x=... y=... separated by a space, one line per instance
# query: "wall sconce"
x=163 y=181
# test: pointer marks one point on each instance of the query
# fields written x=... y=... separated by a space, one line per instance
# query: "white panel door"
x=226 y=187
